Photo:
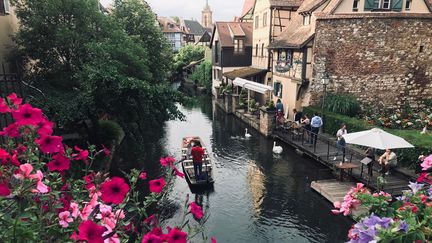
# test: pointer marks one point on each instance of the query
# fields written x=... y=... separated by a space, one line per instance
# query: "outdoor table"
x=348 y=167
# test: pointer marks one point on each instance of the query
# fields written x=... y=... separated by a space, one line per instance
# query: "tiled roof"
x=285 y=3
x=244 y=72
x=294 y=38
x=193 y=27
x=169 y=25
x=247 y=6
x=225 y=38
x=236 y=30
x=310 y=6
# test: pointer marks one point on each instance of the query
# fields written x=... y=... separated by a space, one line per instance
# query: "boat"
x=206 y=177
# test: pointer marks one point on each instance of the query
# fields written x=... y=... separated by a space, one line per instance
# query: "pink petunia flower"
x=152 y=238
x=4 y=108
x=427 y=163
x=27 y=115
x=167 y=161
x=4 y=190
x=106 y=151
x=50 y=144
x=196 y=210
x=45 y=128
x=213 y=240
x=14 y=99
x=25 y=170
x=151 y=220
x=81 y=155
x=114 y=190
x=11 y=131
x=65 y=219
x=157 y=185
x=74 y=208
x=176 y=236
x=59 y=163
x=177 y=172
x=40 y=186
x=91 y=232
x=143 y=175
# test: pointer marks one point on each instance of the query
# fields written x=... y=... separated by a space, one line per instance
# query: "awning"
x=251 y=85
x=244 y=72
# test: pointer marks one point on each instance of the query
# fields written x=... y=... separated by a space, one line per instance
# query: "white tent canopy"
x=251 y=85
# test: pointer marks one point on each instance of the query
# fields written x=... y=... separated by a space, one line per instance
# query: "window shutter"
x=275 y=89
x=396 y=5
x=280 y=90
x=369 y=4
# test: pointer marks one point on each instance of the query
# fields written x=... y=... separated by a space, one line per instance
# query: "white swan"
x=277 y=149
x=247 y=135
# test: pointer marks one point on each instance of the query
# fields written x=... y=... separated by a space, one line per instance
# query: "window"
x=256 y=22
x=284 y=61
x=277 y=89
x=355 y=5
x=306 y=19
x=262 y=49
x=386 y=4
x=256 y=50
x=408 y=5
x=216 y=51
x=4 y=6
x=238 y=46
x=265 y=19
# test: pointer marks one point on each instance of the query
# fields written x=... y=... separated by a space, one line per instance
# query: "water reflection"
x=257 y=197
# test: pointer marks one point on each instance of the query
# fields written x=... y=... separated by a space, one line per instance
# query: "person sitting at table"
x=387 y=160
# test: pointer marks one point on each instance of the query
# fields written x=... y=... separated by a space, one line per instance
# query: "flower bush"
x=42 y=200
x=400 y=120
x=407 y=218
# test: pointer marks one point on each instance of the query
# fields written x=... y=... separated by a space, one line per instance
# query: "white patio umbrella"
x=376 y=138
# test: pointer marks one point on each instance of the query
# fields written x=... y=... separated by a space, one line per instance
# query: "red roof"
x=248 y=5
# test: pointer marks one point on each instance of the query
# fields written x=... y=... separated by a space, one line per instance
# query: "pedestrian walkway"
x=324 y=152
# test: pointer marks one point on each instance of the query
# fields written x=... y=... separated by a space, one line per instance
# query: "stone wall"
x=384 y=62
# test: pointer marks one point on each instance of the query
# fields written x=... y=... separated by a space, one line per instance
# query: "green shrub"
x=342 y=104
x=110 y=131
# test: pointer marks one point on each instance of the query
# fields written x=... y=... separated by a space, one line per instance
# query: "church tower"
x=207 y=20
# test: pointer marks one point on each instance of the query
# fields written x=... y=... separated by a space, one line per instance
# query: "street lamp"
x=325 y=81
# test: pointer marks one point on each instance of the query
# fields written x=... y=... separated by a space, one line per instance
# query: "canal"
x=257 y=197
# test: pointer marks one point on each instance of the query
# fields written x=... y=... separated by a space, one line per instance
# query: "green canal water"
x=257 y=197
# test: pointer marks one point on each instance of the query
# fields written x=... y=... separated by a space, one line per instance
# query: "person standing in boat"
x=197 y=157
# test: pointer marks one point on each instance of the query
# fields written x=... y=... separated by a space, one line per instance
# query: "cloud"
x=223 y=10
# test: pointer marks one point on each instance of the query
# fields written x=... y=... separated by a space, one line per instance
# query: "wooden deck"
x=324 y=152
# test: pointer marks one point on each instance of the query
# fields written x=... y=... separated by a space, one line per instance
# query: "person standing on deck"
x=340 y=143
x=197 y=153
x=316 y=123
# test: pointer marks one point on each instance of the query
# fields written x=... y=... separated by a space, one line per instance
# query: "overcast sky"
x=223 y=10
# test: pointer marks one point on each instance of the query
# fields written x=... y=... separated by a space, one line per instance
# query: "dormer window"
x=238 y=46
x=355 y=5
x=306 y=19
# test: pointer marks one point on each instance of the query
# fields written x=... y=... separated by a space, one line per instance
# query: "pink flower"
x=196 y=210
x=157 y=185
x=50 y=144
x=75 y=209
x=177 y=172
x=213 y=240
x=91 y=232
x=143 y=175
x=427 y=163
x=176 y=236
x=167 y=161
x=114 y=190
x=40 y=186
x=14 y=99
x=3 y=107
x=60 y=163
x=65 y=219
x=151 y=220
x=86 y=211
x=106 y=151
x=81 y=155
x=4 y=190
x=11 y=131
x=45 y=128
x=152 y=238
x=27 y=115
x=4 y=155
x=25 y=170
x=112 y=239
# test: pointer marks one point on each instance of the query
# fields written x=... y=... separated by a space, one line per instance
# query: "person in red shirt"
x=197 y=153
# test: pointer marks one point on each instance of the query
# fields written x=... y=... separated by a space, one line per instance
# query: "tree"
x=92 y=65
x=202 y=75
x=186 y=55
